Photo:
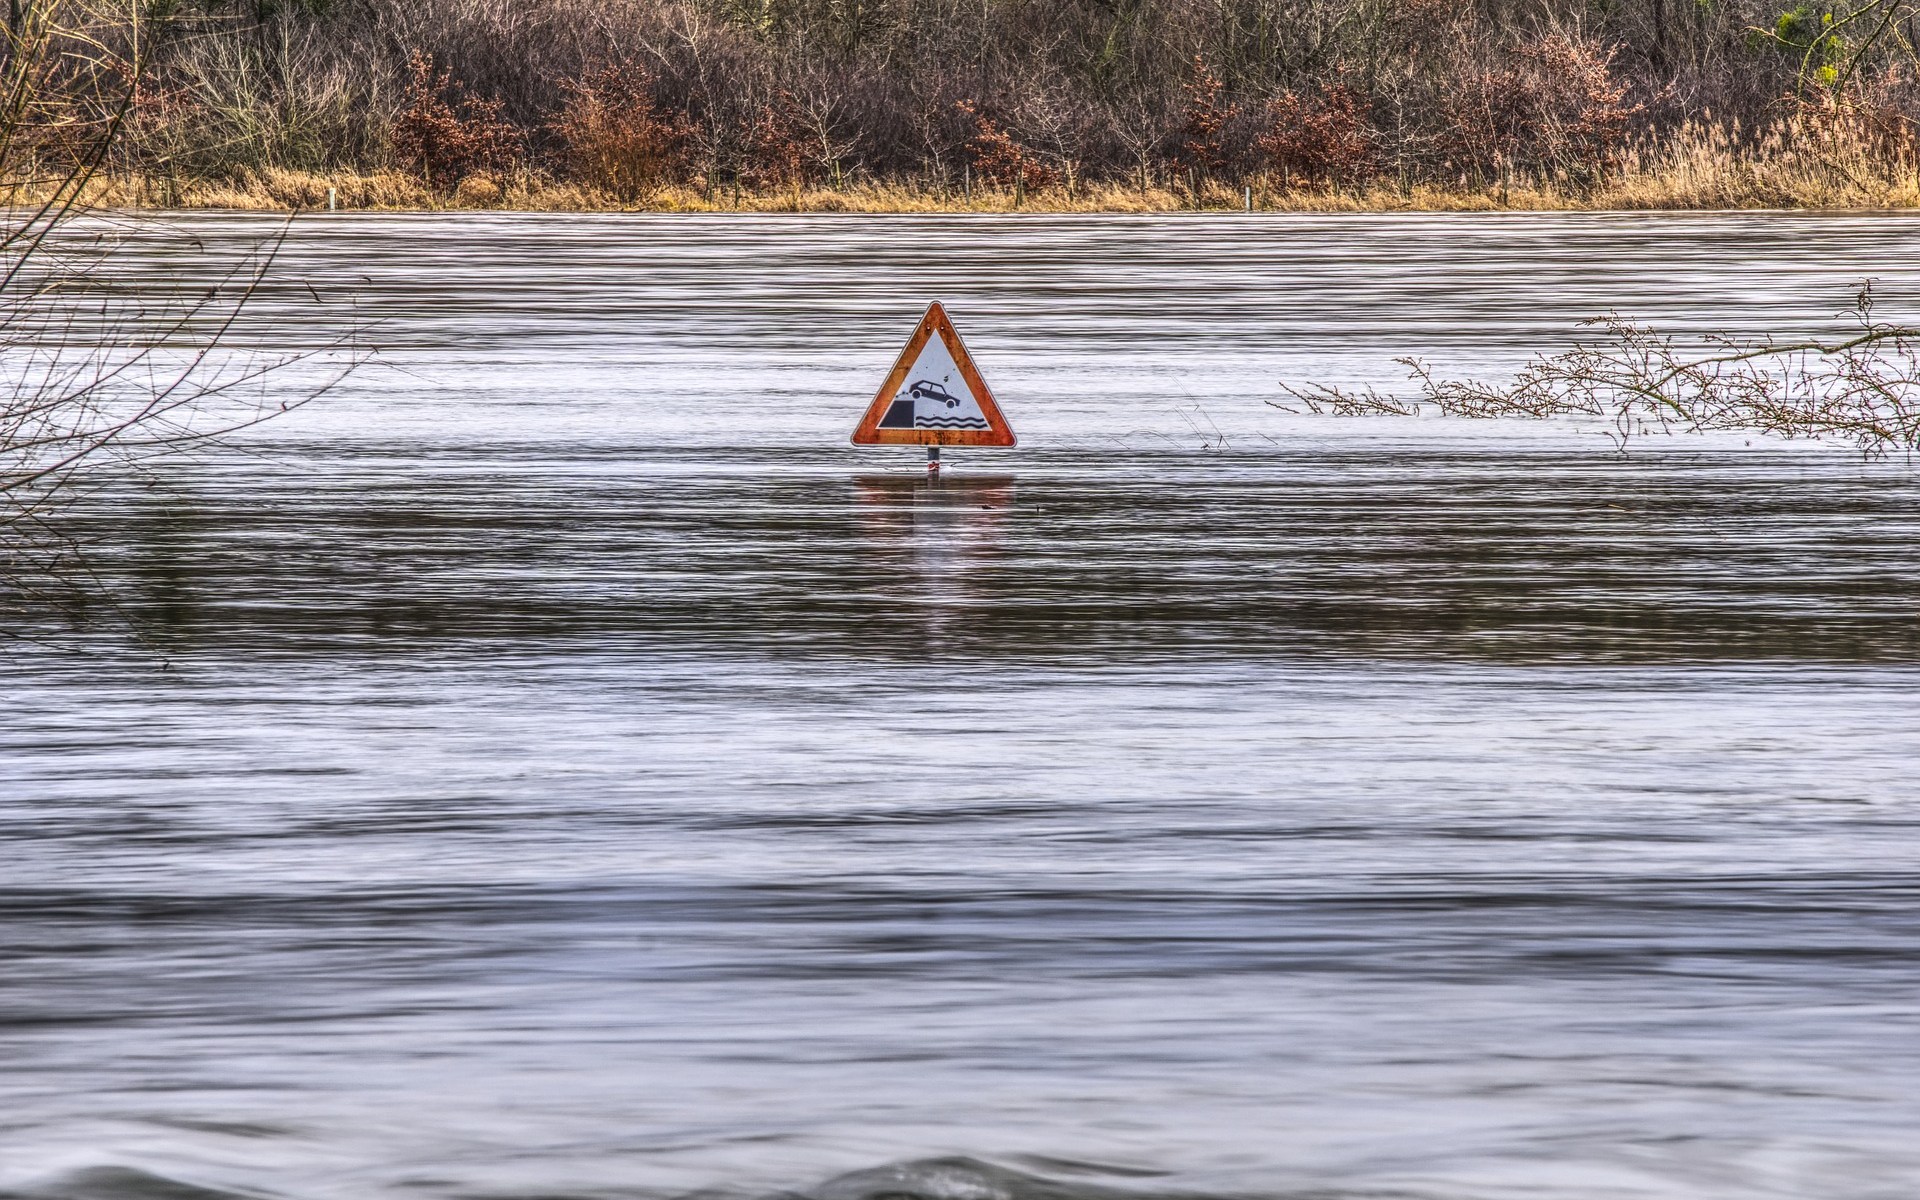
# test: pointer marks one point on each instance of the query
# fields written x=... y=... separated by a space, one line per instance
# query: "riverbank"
x=1702 y=173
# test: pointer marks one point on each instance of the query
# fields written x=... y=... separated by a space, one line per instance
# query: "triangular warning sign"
x=934 y=395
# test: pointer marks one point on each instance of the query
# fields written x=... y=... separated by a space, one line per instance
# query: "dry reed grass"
x=1698 y=167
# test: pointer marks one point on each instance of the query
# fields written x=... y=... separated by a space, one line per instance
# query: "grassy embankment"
x=288 y=191
x=1700 y=171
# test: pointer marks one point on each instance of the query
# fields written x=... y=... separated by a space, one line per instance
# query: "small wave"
x=950 y=423
x=120 y=1183
x=972 y=1179
x=962 y=1178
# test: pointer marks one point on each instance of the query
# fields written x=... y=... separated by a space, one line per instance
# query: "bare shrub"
x=1552 y=106
x=820 y=124
x=709 y=70
x=776 y=151
x=1141 y=127
x=613 y=135
x=225 y=105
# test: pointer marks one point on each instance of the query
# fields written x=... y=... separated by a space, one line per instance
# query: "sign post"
x=934 y=397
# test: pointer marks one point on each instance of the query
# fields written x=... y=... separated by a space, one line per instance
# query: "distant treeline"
x=627 y=96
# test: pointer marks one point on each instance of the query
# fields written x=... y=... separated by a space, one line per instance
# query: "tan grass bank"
x=1701 y=168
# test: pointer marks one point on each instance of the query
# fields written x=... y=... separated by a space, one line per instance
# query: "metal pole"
x=332 y=197
x=933 y=460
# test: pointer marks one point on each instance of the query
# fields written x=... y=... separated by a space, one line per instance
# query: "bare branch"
x=1863 y=390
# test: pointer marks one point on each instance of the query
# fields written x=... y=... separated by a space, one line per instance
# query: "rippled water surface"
x=555 y=765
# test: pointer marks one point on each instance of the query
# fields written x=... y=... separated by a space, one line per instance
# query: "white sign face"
x=935 y=395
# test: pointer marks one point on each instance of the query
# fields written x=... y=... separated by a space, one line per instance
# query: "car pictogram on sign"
x=927 y=389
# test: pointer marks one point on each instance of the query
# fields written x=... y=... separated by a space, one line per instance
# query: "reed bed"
x=1699 y=168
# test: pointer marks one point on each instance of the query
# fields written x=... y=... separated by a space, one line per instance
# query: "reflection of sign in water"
x=944 y=532
x=934 y=395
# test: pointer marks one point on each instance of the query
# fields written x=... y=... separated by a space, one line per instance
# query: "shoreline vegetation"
x=963 y=105
x=1705 y=181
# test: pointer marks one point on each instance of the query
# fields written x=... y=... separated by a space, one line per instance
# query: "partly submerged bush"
x=1863 y=389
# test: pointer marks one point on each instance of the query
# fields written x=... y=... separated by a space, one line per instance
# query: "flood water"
x=556 y=766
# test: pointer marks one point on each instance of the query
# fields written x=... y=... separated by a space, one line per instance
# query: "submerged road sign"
x=934 y=395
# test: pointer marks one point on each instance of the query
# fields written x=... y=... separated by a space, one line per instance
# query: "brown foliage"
x=1327 y=139
x=1000 y=159
x=443 y=134
x=776 y=146
x=1203 y=133
x=614 y=137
